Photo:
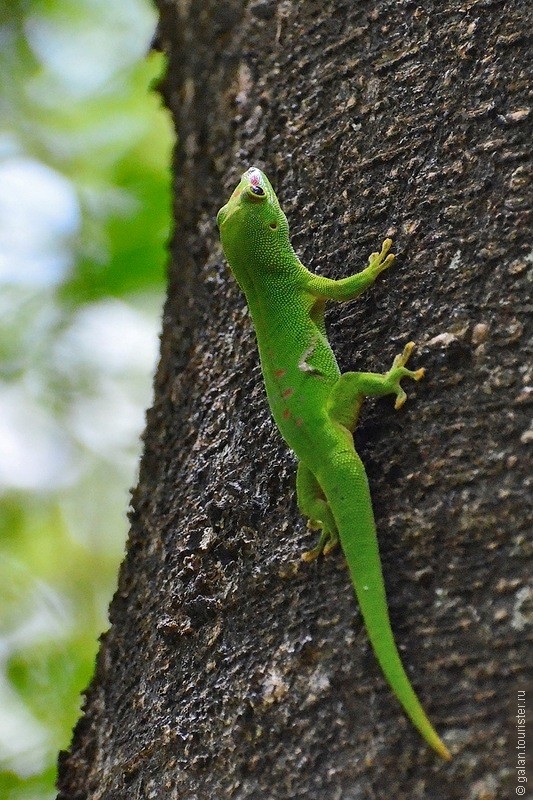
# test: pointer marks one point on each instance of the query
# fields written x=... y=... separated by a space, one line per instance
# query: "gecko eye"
x=258 y=191
x=273 y=225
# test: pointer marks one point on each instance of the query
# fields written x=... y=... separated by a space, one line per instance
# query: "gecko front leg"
x=350 y=390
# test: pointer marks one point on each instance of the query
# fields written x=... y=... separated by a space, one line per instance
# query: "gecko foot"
x=399 y=371
x=327 y=542
x=377 y=262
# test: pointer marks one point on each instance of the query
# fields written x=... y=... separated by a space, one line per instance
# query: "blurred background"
x=84 y=219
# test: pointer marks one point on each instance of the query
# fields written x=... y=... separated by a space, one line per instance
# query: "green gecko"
x=315 y=406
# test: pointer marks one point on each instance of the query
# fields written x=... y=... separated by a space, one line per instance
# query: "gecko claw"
x=331 y=544
x=400 y=398
x=311 y=555
x=380 y=261
x=399 y=371
x=327 y=542
x=402 y=359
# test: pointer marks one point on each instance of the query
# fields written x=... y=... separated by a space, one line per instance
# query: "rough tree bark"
x=231 y=668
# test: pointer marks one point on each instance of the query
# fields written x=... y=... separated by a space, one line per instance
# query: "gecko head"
x=252 y=222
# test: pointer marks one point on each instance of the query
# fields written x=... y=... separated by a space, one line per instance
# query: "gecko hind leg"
x=313 y=504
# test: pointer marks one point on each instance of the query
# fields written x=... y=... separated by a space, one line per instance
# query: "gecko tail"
x=352 y=510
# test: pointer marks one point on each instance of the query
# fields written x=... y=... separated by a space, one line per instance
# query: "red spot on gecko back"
x=287 y=392
x=279 y=373
x=286 y=413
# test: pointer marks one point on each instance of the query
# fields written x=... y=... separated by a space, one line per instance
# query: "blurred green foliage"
x=84 y=219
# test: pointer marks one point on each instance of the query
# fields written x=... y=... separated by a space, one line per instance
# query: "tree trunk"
x=231 y=667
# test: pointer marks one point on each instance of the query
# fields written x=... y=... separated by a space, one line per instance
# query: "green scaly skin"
x=315 y=406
